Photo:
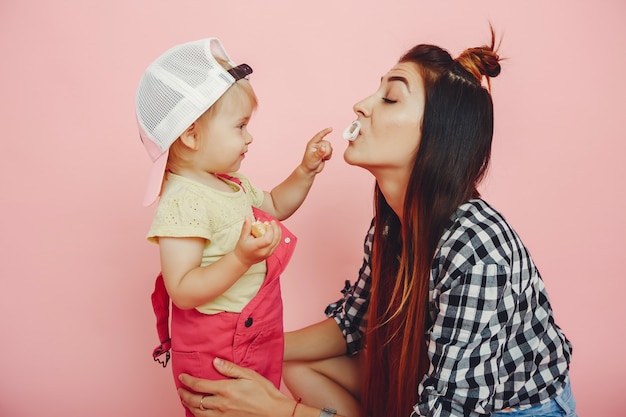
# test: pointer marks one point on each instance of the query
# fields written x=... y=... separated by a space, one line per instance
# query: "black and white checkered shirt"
x=493 y=343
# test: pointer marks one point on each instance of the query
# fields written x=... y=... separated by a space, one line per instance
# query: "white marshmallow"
x=352 y=131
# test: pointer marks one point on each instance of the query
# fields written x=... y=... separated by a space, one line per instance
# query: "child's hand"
x=250 y=249
x=318 y=151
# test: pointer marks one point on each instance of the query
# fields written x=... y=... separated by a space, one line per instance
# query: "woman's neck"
x=394 y=190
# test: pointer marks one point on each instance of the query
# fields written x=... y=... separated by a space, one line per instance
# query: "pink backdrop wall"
x=76 y=326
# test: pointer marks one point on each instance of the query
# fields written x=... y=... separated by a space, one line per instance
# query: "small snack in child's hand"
x=258 y=228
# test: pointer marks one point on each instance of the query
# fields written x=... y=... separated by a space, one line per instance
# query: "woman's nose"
x=363 y=107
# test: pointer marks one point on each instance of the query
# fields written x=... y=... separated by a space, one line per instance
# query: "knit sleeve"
x=181 y=215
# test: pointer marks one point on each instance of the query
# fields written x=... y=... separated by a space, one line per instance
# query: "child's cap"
x=174 y=91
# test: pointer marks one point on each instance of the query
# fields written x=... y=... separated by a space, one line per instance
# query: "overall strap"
x=161 y=306
x=231 y=178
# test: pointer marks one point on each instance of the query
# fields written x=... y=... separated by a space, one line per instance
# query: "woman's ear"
x=189 y=137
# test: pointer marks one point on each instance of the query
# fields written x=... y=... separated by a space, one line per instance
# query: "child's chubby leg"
x=317 y=369
x=334 y=383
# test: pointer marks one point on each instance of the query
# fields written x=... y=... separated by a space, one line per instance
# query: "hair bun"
x=492 y=67
x=482 y=61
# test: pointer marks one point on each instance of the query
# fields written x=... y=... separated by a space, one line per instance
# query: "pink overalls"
x=252 y=338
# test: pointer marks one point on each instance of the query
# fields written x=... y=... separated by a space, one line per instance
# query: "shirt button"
x=287 y=239
x=249 y=322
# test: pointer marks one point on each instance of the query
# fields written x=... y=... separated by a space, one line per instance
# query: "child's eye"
x=389 y=101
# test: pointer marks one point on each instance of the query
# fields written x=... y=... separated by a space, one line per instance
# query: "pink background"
x=75 y=319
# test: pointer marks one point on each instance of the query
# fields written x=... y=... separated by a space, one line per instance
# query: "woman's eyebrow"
x=398 y=78
x=401 y=79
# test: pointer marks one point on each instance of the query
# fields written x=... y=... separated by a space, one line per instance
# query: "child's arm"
x=189 y=285
x=286 y=197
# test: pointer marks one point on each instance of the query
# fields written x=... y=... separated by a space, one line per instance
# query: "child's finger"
x=325 y=149
x=321 y=135
x=247 y=226
x=277 y=234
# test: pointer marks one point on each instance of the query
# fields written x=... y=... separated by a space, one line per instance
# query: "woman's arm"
x=318 y=341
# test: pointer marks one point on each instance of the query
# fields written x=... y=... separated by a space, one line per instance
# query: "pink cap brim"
x=155 y=181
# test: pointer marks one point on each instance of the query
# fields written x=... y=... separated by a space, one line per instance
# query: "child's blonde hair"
x=178 y=154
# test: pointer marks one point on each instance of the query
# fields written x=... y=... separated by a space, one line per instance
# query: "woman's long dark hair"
x=452 y=158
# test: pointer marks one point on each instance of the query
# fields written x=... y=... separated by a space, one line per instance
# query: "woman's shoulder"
x=479 y=233
x=477 y=214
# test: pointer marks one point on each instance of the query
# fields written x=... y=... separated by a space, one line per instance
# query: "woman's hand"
x=246 y=394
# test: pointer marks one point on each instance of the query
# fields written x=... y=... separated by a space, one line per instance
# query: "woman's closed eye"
x=389 y=101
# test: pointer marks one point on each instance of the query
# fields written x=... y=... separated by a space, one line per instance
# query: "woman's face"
x=391 y=120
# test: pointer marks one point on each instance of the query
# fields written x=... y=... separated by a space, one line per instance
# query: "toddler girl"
x=193 y=107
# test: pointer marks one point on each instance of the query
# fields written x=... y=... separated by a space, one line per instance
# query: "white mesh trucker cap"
x=174 y=91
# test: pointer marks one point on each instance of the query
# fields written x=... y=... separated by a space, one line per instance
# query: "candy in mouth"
x=352 y=131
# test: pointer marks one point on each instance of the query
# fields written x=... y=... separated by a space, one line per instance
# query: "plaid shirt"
x=493 y=343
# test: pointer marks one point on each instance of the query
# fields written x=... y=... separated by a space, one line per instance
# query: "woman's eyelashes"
x=389 y=101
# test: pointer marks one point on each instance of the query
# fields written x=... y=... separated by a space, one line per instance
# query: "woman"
x=458 y=319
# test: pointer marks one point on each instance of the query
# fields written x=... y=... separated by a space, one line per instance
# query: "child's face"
x=224 y=133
